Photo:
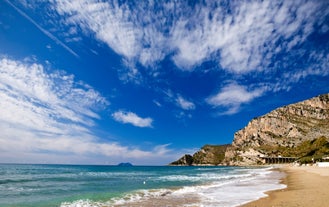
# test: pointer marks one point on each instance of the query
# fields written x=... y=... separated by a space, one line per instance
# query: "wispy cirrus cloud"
x=184 y=104
x=264 y=38
x=132 y=118
x=241 y=36
x=50 y=117
x=319 y=67
x=267 y=38
x=40 y=94
x=232 y=96
x=247 y=37
x=175 y=98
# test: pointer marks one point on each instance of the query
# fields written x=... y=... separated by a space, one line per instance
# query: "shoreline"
x=194 y=199
x=306 y=186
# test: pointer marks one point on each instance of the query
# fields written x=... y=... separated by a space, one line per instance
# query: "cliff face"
x=298 y=130
x=210 y=155
x=207 y=155
x=286 y=127
x=186 y=160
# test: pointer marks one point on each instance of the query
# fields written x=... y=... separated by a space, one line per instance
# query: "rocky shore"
x=298 y=130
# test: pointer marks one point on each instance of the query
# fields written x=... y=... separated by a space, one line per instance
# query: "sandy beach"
x=306 y=186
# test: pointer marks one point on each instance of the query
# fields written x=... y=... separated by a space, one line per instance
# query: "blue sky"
x=102 y=82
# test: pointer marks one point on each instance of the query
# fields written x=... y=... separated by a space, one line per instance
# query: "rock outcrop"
x=207 y=155
x=284 y=128
x=299 y=130
x=186 y=160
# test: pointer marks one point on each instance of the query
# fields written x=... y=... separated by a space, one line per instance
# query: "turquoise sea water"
x=74 y=185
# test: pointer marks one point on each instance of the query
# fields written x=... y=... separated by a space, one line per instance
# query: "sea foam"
x=229 y=189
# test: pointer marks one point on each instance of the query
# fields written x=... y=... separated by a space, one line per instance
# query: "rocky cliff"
x=207 y=155
x=280 y=132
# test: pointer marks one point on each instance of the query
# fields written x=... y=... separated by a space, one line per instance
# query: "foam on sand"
x=230 y=189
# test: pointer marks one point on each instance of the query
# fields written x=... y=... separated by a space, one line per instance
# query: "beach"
x=306 y=186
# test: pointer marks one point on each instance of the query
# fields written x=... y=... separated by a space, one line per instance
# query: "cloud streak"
x=243 y=39
x=232 y=96
x=246 y=35
x=47 y=33
x=185 y=104
x=132 y=118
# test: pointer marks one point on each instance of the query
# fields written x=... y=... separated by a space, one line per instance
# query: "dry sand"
x=307 y=186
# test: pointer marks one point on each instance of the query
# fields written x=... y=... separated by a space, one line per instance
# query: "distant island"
x=125 y=164
x=297 y=132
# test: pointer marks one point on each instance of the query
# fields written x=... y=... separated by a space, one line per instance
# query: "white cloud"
x=184 y=104
x=245 y=35
x=132 y=118
x=157 y=103
x=56 y=95
x=110 y=22
x=50 y=118
x=232 y=96
x=129 y=73
x=318 y=68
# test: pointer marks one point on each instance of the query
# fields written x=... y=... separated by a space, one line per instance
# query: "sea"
x=26 y=185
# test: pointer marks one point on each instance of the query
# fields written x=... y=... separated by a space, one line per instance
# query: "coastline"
x=306 y=186
x=207 y=195
x=204 y=186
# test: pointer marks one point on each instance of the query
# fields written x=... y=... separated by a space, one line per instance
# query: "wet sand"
x=306 y=186
x=165 y=200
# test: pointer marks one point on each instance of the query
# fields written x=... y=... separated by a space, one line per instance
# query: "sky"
x=109 y=81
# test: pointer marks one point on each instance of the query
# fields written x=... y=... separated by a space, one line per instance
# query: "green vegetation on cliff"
x=185 y=160
x=207 y=155
x=307 y=151
x=298 y=130
x=210 y=155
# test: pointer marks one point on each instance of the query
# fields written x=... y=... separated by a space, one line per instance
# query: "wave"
x=202 y=177
x=8 y=181
x=231 y=189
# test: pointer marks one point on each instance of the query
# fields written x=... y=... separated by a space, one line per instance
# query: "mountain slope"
x=207 y=155
x=280 y=132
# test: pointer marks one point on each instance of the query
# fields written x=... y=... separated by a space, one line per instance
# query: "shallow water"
x=73 y=185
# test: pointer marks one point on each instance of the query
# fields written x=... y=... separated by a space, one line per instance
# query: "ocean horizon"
x=49 y=185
